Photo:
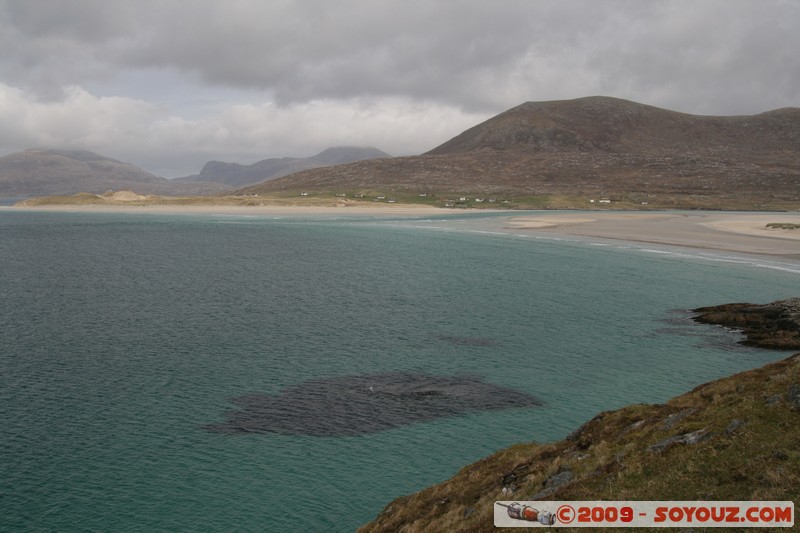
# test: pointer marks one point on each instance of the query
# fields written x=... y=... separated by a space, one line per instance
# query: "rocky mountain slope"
x=611 y=125
x=52 y=172
x=731 y=439
x=237 y=175
x=592 y=148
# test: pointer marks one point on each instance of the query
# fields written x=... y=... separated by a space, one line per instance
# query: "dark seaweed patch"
x=356 y=405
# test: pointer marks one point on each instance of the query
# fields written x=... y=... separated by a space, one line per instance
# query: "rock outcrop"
x=774 y=325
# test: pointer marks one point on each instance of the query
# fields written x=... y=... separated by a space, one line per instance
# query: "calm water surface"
x=124 y=336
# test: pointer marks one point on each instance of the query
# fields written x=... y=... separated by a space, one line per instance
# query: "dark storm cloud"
x=468 y=53
x=47 y=45
x=732 y=57
x=310 y=50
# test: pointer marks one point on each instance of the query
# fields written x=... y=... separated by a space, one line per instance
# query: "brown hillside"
x=594 y=147
x=620 y=126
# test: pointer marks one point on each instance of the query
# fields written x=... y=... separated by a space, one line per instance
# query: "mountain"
x=339 y=155
x=40 y=172
x=591 y=148
x=612 y=125
x=734 y=439
x=237 y=175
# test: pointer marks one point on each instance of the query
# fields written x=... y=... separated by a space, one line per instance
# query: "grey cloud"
x=734 y=57
x=47 y=46
x=82 y=20
x=711 y=55
x=343 y=49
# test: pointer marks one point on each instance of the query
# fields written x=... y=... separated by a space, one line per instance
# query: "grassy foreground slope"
x=737 y=438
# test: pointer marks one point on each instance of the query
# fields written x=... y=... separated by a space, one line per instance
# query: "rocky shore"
x=731 y=439
x=774 y=325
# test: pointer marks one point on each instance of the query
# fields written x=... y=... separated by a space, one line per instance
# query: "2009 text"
x=645 y=514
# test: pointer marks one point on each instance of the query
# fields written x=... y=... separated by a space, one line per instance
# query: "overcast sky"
x=170 y=84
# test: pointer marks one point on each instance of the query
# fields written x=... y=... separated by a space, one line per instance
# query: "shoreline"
x=742 y=233
x=264 y=210
x=737 y=232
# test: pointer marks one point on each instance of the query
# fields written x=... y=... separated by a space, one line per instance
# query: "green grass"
x=783 y=225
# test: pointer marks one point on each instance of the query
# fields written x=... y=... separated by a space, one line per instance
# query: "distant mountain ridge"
x=593 y=147
x=44 y=172
x=238 y=175
x=38 y=172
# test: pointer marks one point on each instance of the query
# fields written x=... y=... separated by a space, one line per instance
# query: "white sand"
x=734 y=232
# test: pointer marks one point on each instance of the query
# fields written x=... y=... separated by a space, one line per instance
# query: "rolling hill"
x=40 y=172
x=594 y=147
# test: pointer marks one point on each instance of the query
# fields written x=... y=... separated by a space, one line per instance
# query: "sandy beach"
x=730 y=232
x=739 y=232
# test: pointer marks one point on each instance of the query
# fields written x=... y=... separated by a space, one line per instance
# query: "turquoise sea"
x=126 y=336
